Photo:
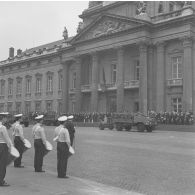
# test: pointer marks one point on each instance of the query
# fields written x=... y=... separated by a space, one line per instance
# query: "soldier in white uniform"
x=63 y=143
x=39 y=143
x=5 y=146
x=18 y=139
x=71 y=128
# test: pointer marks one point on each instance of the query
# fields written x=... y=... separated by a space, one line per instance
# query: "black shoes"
x=64 y=177
x=20 y=166
x=42 y=171
x=4 y=184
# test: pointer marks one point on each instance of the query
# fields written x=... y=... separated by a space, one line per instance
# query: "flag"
x=104 y=81
x=104 y=77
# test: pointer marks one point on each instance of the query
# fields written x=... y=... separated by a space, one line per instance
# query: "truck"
x=50 y=119
x=126 y=121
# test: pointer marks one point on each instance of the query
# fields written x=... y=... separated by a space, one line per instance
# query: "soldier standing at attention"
x=5 y=145
x=18 y=139
x=63 y=143
x=39 y=143
x=71 y=128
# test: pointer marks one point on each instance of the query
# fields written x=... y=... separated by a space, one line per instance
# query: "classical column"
x=78 y=94
x=120 y=79
x=160 y=77
x=65 y=86
x=193 y=89
x=143 y=86
x=151 y=80
x=187 y=74
x=94 y=84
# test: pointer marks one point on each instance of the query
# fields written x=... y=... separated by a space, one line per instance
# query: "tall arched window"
x=28 y=84
x=18 y=85
x=171 y=6
x=2 y=87
x=160 y=7
x=60 y=80
x=49 y=81
x=74 y=80
x=10 y=86
x=38 y=82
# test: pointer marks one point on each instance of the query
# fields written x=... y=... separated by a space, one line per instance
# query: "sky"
x=27 y=24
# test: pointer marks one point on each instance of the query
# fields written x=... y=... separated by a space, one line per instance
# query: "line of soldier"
x=182 y=118
x=63 y=135
x=176 y=118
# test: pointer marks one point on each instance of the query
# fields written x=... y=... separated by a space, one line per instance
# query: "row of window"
x=176 y=104
x=28 y=107
x=176 y=64
x=38 y=85
x=176 y=69
x=173 y=6
x=114 y=70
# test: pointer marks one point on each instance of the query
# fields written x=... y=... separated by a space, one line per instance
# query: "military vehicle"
x=106 y=124
x=126 y=121
x=25 y=121
x=50 y=119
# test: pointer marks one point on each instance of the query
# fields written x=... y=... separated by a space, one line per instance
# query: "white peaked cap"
x=4 y=113
x=62 y=118
x=39 y=117
x=70 y=117
x=18 y=115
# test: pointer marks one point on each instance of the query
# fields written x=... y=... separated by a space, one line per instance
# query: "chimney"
x=11 y=52
x=19 y=52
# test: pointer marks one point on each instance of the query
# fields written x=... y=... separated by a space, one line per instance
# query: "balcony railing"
x=173 y=14
x=108 y=86
x=86 y=88
x=174 y=82
x=72 y=90
x=113 y=86
x=131 y=84
x=49 y=93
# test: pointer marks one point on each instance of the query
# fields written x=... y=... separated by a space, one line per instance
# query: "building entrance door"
x=111 y=104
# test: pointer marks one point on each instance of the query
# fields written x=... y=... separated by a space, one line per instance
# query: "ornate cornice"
x=38 y=75
x=28 y=76
x=160 y=45
x=18 y=78
x=144 y=44
x=187 y=41
x=49 y=73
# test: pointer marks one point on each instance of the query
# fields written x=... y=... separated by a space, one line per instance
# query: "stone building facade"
x=127 y=56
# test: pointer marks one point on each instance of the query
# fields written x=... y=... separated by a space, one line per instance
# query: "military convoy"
x=127 y=121
x=50 y=119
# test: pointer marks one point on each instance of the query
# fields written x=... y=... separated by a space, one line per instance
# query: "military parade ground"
x=125 y=80
x=113 y=162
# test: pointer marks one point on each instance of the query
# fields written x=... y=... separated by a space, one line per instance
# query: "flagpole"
x=105 y=88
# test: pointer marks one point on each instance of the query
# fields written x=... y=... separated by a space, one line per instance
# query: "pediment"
x=107 y=25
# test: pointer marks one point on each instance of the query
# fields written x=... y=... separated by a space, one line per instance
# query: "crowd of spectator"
x=177 y=118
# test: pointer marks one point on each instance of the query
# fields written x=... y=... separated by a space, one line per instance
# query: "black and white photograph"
x=97 y=97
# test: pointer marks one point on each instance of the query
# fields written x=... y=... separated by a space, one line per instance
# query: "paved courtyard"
x=161 y=162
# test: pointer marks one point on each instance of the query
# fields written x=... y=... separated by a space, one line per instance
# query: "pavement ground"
x=24 y=181
x=157 y=163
